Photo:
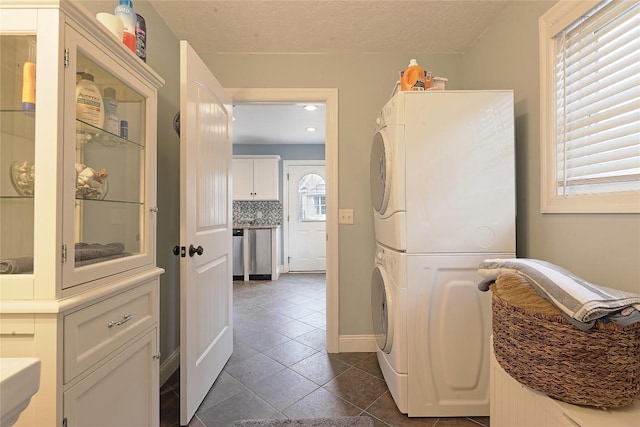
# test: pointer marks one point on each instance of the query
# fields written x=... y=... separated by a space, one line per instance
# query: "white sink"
x=19 y=380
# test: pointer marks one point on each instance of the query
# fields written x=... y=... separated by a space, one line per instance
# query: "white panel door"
x=206 y=329
x=307 y=218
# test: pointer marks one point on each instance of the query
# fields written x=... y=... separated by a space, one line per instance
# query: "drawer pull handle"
x=125 y=319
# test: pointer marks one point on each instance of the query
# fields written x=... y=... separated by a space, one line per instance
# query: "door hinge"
x=66 y=57
x=64 y=254
x=287 y=177
x=64 y=423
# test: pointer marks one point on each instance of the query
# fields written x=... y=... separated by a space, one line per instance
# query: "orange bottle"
x=414 y=77
x=29 y=86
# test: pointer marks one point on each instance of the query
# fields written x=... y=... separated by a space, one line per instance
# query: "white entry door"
x=307 y=217
x=206 y=329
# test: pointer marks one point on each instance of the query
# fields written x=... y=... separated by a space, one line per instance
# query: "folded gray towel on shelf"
x=18 y=265
x=85 y=254
x=86 y=251
x=102 y=259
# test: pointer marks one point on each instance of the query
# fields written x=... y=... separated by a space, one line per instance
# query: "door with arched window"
x=307 y=215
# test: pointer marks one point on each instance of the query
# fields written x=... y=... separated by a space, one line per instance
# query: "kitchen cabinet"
x=256 y=178
x=78 y=275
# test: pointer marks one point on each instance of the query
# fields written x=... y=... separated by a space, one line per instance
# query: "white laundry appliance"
x=442 y=172
x=443 y=190
x=389 y=308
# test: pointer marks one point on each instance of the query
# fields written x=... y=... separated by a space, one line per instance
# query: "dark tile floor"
x=280 y=369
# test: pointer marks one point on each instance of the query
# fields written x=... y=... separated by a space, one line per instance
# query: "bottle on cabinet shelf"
x=111 y=120
x=89 y=102
x=29 y=86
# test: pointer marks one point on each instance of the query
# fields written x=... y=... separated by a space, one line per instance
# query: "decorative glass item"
x=23 y=177
x=90 y=184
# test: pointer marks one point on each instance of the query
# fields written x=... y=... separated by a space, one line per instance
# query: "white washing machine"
x=432 y=327
x=389 y=309
x=442 y=172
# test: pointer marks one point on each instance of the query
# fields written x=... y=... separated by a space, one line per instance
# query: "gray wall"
x=601 y=248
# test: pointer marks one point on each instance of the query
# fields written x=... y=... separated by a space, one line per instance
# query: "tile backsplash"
x=261 y=212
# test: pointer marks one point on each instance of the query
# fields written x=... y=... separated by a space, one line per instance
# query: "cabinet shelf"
x=17 y=123
x=87 y=135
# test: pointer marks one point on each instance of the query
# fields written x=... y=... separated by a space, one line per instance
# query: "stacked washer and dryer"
x=443 y=192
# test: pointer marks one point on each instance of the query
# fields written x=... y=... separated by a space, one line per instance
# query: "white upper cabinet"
x=256 y=178
x=78 y=155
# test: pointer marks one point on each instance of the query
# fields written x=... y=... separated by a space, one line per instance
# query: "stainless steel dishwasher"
x=260 y=253
x=238 y=258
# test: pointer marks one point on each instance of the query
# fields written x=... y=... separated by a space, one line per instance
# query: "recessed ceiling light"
x=310 y=107
x=311 y=129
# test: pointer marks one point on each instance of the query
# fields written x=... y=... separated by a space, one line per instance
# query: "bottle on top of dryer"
x=414 y=77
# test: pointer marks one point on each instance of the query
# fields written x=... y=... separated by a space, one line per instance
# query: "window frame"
x=555 y=20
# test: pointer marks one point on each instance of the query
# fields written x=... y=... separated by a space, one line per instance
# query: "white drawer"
x=93 y=332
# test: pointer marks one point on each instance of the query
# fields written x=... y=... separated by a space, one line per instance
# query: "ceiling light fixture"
x=310 y=107
x=311 y=129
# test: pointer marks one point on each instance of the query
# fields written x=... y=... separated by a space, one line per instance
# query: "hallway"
x=280 y=369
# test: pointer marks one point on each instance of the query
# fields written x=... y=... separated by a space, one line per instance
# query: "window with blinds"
x=593 y=105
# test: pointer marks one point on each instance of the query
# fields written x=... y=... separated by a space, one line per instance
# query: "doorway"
x=330 y=98
x=305 y=209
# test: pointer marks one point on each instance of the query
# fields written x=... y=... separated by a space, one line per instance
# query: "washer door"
x=380 y=171
x=382 y=309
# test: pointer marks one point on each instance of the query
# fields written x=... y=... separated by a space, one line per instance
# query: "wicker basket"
x=542 y=350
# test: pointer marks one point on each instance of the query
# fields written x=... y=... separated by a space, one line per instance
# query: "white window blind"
x=597 y=85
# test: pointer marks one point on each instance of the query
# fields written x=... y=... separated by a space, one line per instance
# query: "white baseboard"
x=357 y=343
x=169 y=366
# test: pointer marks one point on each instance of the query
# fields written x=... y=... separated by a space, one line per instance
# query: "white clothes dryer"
x=442 y=172
x=389 y=309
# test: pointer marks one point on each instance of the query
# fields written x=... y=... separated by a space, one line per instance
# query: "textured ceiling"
x=328 y=26
x=320 y=26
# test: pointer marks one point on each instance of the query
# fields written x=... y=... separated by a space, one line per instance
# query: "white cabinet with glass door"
x=256 y=177
x=77 y=204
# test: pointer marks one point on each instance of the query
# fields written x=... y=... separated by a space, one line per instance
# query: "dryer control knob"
x=378 y=121
x=380 y=255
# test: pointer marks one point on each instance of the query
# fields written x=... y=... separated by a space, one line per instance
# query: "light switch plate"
x=345 y=216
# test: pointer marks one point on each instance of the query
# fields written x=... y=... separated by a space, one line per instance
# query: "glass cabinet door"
x=109 y=164
x=17 y=152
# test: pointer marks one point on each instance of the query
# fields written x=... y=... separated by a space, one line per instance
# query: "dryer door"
x=380 y=171
x=382 y=309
